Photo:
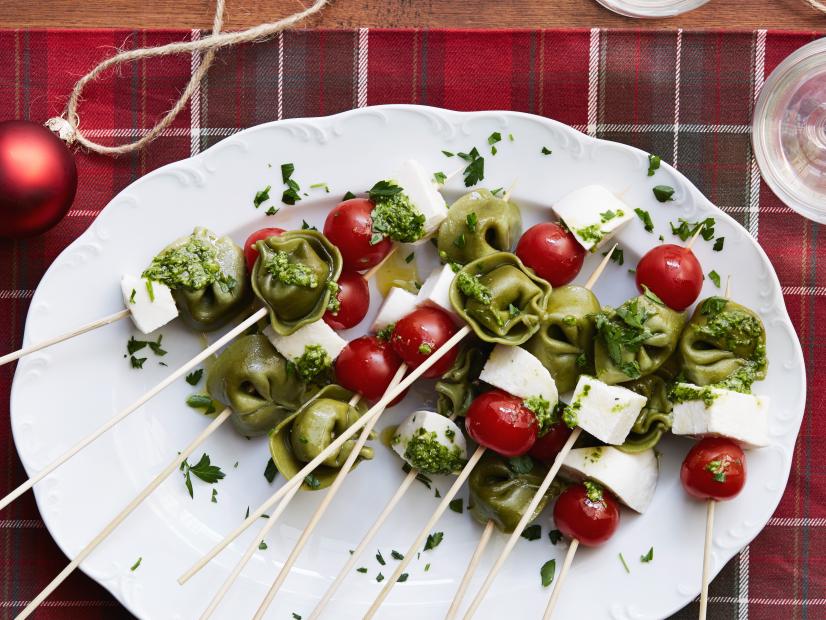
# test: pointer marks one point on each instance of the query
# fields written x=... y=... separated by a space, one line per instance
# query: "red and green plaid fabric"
x=687 y=96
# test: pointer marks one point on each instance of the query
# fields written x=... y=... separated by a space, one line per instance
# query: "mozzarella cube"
x=593 y=214
x=319 y=333
x=148 y=312
x=631 y=477
x=420 y=188
x=518 y=372
x=605 y=411
x=430 y=426
x=435 y=291
x=397 y=305
x=744 y=418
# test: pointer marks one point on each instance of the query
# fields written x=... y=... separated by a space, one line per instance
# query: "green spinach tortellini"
x=635 y=339
x=500 y=299
x=655 y=418
x=501 y=489
x=295 y=276
x=565 y=338
x=208 y=278
x=252 y=378
x=460 y=384
x=306 y=433
x=478 y=224
x=724 y=343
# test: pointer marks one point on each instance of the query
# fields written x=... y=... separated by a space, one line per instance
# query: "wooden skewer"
x=694 y=237
x=600 y=268
x=425 y=532
x=181 y=371
x=566 y=564
x=112 y=318
x=325 y=503
x=471 y=569
x=375 y=410
x=507 y=195
x=123 y=514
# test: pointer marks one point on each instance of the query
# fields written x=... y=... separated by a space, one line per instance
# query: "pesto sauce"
x=312 y=362
x=683 y=392
x=334 y=304
x=593 y=491
x=425 y=453
x=193 y=265
x=279 y=267
x=398 y=218
x=570 y=414
x=734 y=329
x=473 y=288
x=590 y=233
x=541 y=408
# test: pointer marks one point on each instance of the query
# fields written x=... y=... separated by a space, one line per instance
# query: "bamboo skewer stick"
x=484 y=539
x=123 y=514
x=423 y=534
x=388 y=397
x=322 y=507
x=694 y=237
x=107 y=320
x=181 y=371
x=566 y=565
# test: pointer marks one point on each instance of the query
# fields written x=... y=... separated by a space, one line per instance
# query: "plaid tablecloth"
x=687 y=96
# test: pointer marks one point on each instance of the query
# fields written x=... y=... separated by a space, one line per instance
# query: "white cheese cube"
x=593 y=214
x=149 y=312
x=397 y=305
x=445 y=432
x=421 y=189
x=605 y=411
x=743 y=418
x=435 y=291
x=292 y=346
x=631 y=477
x=518 y=372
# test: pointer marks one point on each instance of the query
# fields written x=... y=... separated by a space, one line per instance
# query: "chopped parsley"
x=547 y=573
x=473 y=288
x=156 y=346
x=132 y=296
x=380 y=558
x=385 y=332
x=457 y=505
x=425 y=349
x=532 y=532
x=663 y=193
x=718 y=469
x=513 y=311
x=555 y=536
x=278 y=265
x=520 y=464
x=409 y=258
x=311 y=481
x=261 y=196
x=396 y=555
x=623 y=330
x=510 y=137
x=137 y=362
x=617 y=256
x=379 y=577
x=714 y=277
x=648 y=556
x=262 y=545
x=645 y=216
x=419 y=475
x=403 y=577
x=460 y=241
x=624 y=564
x=150 y=291
x=472 y=220
x=653 y=164
x=685 y=229
x=362 y=569
x=306 y=226
x=440 y=178
x=201 y=401
x=291 y=194
x=296 y=616
x=718 y=244
x=546 y=150
x=475 y=170
x=494 y=138
x=497 y=191
x=433 y=540
x=272 y=211
x=394 y=215
x=448 y=154
x=214 y=496
x=323 y=186
x=348 y=195
x=137 y=563
x=203 y=469
x=541 y=408
x=270 y=471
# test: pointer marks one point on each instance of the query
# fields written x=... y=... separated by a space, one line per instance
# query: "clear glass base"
x=651 y=8
x=789 y=131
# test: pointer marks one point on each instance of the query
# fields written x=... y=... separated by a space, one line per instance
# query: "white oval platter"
x=63 y=393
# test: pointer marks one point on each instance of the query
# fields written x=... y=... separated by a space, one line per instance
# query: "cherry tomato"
x=548 y=446
x=673 y=273
x=250 y=253
x=715 y=468
x=419 y=334
x=591 y=521
x=501 y=422
x=367 y=365
x=349 y=226
x=552 y=252
x=354 y=300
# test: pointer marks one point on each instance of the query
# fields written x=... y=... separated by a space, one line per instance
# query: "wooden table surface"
x=729 y=14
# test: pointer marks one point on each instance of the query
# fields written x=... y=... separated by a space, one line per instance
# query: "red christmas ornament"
x=38 y=179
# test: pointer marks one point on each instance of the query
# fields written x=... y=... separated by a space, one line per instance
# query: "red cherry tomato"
x=715 y=468
x=548 y=446
x=250 y=253
x=501 y=422
x=673 y=273
x=367 y=365
x=590 y=522
x=552 y=252
x=419 y=334
x=354 y=300
x=349 y=226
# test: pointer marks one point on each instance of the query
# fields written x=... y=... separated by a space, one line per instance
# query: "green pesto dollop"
x=682 y=392
x=542 y=410
x=590 y=233
x=278 y=266
x=334 y=305
x=744 y=377
x=193 y=265
x=473 y=288
x=312 y=362
x=396 y=217
x=570 y=413
x=593 y=491
x=734 y=328
x=427 y=454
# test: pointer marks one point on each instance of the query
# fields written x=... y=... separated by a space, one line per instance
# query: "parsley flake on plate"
x=261 y=196
x=663 y=193
x=195 y=376
x=547 y=573
x=475 y=170
x=648 y=556
x=532 y=532
x=270 y=471
x=645 y=216
x=137 y=563
x=203 y=469
x=433 y=540
x=714 y=277
x=653 y=164
x=546 y=150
